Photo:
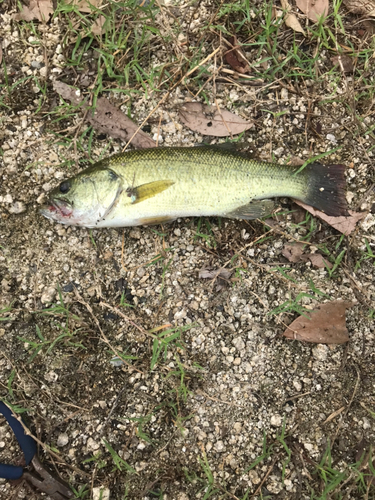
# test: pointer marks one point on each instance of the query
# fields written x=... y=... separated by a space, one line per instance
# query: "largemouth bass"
x=156 y=185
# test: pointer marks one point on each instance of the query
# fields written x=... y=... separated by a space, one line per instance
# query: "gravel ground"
x=231 y=385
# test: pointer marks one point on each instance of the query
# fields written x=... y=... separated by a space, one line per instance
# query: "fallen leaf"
x=363 y=7
x=107 y=118
x=369 y=25
x=97 y=27
x=317 y=260
x=221 y=276
x=314 y=9
x=291 y=19
x=235 y=57
x=209 y=120
x=37 y=9
x=324 y=325
x=298 y=214
x=293 y=251
x=344 y=62
x=345 y=225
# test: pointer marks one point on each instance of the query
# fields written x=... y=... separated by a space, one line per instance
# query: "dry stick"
x=104 y=338
x=122 y=250
x=240 y=251
x=157 y=135
x=348 y=407
x=264 y=479
x=163 y=99
x=126 y=318
x=202 y=393
x=47 y=449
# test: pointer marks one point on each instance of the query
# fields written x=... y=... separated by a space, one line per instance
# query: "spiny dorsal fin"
x=253 y=210
x=145 y=191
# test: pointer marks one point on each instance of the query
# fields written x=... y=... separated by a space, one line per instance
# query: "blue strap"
x=27 y=444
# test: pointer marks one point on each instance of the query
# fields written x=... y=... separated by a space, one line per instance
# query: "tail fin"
x=327 y=189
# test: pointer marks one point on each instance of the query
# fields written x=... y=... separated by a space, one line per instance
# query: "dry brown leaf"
x=235 y=57
x=363 y=7
x=314 y=9
x=316 y=260
x=107 y=118
x=37 y=9
x=344 y=62
x=293 y=251
x=221 y=276
x=97 y=27
x=345 y=225
x=291 y=19
x=208 y=120
x=325 y=325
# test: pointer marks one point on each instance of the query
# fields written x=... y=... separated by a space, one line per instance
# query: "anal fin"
x=152 y=221
x=253 y=210
x=145 y=191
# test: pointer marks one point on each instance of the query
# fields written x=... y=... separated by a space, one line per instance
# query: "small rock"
x=331 y=138
x=237 y=427
x=219 y=446
x=48 y=295
x=297 y=385
x=43 y=71
x=135 y=234
x=62 y=440
x=100 y=493
x=320 y=352
x=41 y=198
x=276 y=420
x=92 y=445
x=368 y=222
x=18 y=207
x=169 y=128
x=8 y=198
x=283 y=94
x=51 y=376
x=141 y=272
x=239 y=344
x=180 y=314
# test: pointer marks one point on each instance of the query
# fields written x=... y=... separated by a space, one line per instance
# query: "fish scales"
x=159 y=184
x=205 y=180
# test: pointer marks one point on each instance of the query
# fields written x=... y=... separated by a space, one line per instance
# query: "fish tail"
x=326 y=189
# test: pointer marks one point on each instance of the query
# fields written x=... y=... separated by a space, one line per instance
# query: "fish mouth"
x=57 y=209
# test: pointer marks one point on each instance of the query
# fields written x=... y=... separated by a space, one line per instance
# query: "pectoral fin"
x=253 y=210
x=145 y=191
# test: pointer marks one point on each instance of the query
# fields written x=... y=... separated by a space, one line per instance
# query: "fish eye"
x=64 y=187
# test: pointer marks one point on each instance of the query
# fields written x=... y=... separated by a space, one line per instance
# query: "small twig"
x=265 y=478
x=165 y=97
x=47 y=449
x=104 y=337
x=347 y=408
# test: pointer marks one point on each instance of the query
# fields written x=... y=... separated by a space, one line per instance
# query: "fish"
x=158 y=185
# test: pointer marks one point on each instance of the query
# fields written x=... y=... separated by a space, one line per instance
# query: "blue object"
x=27 y=444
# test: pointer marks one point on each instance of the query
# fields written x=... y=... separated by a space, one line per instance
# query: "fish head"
x=84 y=200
